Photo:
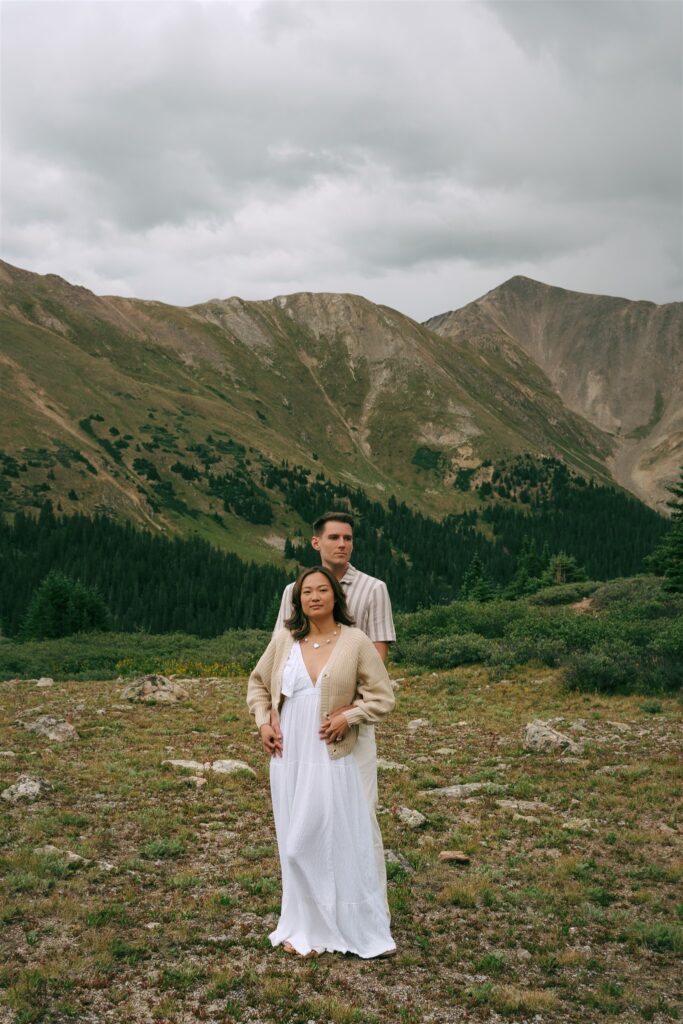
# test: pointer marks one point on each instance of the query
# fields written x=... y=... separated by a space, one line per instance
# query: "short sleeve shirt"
x=367 y=599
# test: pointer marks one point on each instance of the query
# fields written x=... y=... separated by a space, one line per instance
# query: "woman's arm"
x=374 y=687
x=259 y=699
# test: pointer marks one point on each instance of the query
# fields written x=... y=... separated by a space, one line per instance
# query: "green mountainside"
x=236 y=423
x=115 y=405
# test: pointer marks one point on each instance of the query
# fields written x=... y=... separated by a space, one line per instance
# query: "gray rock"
x=220 y=767
x=391 y=857
x=154 y=689
x=192 y=766
x=7 y=753
x=391 y=766
x=68 y=856
x=55 y=729
x=228 y=767
x=417 y=723
x=541 y=736
x=25 y=788
x=45 y=681
x=578 y=824
x=466 y=789
x=523 y=805
x=410 y=817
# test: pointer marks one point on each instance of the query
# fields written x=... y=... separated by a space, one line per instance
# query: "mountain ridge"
x=328 y=380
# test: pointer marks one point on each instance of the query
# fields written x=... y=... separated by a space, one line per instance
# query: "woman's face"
x=317 y=597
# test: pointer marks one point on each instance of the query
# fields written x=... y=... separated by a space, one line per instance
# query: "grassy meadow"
x=569 y=909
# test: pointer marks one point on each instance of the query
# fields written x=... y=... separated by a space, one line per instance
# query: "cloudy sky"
x=418 y=153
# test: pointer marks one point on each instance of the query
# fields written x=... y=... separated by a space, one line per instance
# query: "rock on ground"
x=392 y=857
x=466 y=789
x=389 y=766
x=228 y=767
x=45 y=681
x=220 y=767
x=153 y=689
x=55 y=729
x=68 y=856
x=541 y=736
x=25 y=788
x=410 y=817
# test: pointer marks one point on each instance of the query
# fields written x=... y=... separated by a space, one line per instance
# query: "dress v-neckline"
x=322 y=667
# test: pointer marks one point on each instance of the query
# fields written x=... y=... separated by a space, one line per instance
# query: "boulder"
x=45 y=681
x=220 y=767
x=523 y=805
x=228 y=767
x=541 y=736
x=154 y=689
x=466 y=789
x=55 y=729
x=391 y=857
x=192 y=766
x=25 y=788
x=410 y=817
x=68 y=856
x=391 y=766
x=453 y=857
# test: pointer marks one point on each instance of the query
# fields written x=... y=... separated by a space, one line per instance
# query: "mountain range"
x=128 y=406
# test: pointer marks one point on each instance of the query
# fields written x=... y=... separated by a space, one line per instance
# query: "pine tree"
x=62 y=606
x=667 y=558
x=477 y=584
x=563 y=568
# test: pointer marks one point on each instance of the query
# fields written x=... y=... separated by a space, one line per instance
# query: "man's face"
x=335 y=544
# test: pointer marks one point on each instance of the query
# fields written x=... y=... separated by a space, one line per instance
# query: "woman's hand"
x=272 y=740
x=335 y=727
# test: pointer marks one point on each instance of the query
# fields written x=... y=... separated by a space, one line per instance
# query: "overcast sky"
x=417 y=153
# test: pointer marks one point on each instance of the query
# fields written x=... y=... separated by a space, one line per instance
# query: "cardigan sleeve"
x=259 y=699
x=376 y=692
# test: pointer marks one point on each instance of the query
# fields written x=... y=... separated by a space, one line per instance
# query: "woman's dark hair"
x=298 y=623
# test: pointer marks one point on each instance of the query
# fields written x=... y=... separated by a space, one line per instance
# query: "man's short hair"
x=331 y=517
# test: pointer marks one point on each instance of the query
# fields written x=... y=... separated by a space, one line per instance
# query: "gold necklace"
x=323 y=642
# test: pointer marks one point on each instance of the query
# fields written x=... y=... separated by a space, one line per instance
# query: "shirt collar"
x=349 y=576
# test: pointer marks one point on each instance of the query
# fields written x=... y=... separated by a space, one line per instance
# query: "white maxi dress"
x=331 y=895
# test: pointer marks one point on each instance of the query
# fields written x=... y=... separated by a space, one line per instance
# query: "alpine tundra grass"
x=568 y=910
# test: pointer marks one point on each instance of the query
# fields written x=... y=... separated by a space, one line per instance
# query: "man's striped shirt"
x=367 y=599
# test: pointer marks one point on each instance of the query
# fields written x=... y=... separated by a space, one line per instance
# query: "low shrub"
x=445 y=651
x=563 y=593
x=623 y=668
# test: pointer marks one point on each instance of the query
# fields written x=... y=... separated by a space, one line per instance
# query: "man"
x=368 y=602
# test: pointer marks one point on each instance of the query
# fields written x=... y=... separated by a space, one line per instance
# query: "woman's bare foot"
x=289 y=948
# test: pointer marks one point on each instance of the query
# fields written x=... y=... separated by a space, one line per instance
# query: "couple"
x=315 y=693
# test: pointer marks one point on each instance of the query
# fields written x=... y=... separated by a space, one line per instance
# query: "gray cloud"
x=181 y=150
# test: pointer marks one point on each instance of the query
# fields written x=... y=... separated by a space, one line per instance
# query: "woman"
x=326 y=676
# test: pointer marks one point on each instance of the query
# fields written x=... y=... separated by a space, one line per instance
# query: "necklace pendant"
x=316 y=645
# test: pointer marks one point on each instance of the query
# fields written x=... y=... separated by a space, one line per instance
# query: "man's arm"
x=380 y=620
x=382 y=647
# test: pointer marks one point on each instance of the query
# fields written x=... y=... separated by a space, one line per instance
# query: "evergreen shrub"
x=108 y=655
x=445 y=651
x=563 y=593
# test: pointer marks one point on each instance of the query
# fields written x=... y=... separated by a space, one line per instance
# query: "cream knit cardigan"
x=354 y=674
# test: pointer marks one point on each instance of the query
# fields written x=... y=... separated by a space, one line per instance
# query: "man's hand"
x=335 y=726
x=272 y=740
